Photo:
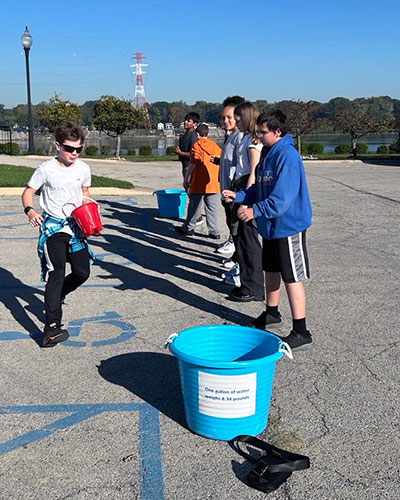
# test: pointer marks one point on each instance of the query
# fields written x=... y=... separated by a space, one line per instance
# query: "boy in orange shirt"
x=201 y=182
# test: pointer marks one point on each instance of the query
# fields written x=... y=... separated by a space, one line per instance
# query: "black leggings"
x=58 y=286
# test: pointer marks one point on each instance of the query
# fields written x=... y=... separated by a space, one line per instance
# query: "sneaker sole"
x=278 y=323
x=267 y=328
x=220 y=250
x=62 y=337
x=304 y=347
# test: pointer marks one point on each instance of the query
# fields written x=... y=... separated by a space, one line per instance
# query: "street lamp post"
x=26 y=40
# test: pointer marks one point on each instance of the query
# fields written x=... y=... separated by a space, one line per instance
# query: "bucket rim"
x=206 y=363
x=169 y=191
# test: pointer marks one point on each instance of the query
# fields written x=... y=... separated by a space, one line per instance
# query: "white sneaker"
x=228 y=263
x=233 y=280
x=234 y=271
x=199 y=221
x=227 y=247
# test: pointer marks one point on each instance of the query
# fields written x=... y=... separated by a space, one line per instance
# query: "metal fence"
x=6 y=140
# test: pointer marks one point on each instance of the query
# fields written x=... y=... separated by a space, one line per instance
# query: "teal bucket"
x=226 y=374
x=171 y=202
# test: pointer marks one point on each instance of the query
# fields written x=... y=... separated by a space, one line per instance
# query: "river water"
x=159 y=144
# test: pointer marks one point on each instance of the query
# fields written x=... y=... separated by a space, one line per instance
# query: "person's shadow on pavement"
x=12 y=291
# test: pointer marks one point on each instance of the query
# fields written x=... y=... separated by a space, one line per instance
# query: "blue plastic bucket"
x=171 y=202
x=226 y=374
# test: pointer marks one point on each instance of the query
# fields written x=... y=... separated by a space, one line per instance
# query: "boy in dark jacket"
x=280 y=203
x=187 y=140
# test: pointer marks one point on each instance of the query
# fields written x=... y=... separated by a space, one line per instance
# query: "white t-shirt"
x=226 y=165
x=61 y=187
x=242 y=155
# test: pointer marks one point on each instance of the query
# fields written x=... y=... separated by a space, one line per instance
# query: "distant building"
x=169 y=126
x=160 y=126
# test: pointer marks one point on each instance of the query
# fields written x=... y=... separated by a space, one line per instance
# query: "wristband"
x=26 y=210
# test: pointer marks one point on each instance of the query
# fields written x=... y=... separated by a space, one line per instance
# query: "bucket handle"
x=170 y=339
x=91 y=199
x=71 y=203
x=65 y=204
x=285 y=348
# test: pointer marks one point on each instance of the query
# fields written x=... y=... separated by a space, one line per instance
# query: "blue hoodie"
x=279 y=196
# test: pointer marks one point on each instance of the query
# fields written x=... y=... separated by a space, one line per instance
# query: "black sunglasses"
x=71 y=149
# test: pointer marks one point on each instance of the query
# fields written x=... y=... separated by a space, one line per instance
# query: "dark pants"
x=58 y=285
x=229 y=207
x=249 y=257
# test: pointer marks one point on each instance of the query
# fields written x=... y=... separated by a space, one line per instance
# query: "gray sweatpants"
x=211 y=207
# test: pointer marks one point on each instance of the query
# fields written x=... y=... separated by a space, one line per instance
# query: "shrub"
x=361 y=148
x=303 y=147
x=343 y=149
x=315 y=148
x=170 y=151
x=105 y=150
x=39 y=151
x=145 y=150
x=131 y=152
x=392 y=148
x=5 y=148
x=91 y=150
x=383 y=150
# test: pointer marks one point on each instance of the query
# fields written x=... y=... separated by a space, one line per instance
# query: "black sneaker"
x=182 y=230
x=265 y=319
x=238 y=296
x=53 y=335
x=298 y=341
x=214 y=236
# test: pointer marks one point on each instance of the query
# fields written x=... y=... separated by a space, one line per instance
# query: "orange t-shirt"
x=204 y=178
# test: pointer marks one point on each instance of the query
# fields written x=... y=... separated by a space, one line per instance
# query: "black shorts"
x=287 y=256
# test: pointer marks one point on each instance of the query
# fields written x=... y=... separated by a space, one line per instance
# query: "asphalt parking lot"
x=101 y=416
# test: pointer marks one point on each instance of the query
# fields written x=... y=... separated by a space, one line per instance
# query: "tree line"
x=114 y=116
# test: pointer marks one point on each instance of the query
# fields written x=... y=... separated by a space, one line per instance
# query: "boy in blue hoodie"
x=279 y=202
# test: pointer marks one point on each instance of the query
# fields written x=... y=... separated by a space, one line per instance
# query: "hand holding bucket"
x=87 y=216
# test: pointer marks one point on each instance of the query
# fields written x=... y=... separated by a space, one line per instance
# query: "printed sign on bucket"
x=227 y=396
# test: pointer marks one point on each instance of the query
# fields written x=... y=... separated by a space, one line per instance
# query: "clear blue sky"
x=202 y=50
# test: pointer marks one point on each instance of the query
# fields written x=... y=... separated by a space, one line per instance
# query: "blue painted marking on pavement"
x=127 y=332
x=12 y=335
x=7 y=226
x=150 y=451
x=109 y=318
x=130 y=259
x=20 y=238
x=128 y=284
x=74 y=329
x=150 y=468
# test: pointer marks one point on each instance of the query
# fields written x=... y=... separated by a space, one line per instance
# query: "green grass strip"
x=18 y=176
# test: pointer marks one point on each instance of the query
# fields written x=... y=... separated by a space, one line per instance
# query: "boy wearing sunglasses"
x=279 y=202
x=63 y=182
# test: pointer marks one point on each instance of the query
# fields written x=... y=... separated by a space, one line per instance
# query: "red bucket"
x=87 y=217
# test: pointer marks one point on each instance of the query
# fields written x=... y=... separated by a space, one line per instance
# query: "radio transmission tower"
x=139 y=100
